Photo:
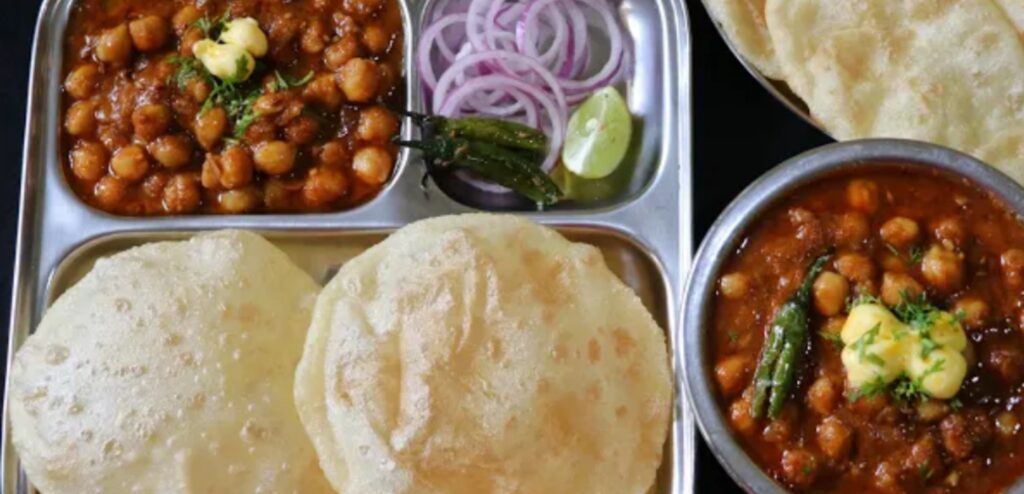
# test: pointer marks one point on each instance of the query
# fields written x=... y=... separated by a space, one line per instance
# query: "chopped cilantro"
x=212 y=28
x=956 y=404
x=925 y=470
x=868 y=390
x=862 y=299
x=832 y=338
x=916 y=254
x=873 y=358
x=186 y=69
x=866 y=339
x=733 y=336
x=281 y=82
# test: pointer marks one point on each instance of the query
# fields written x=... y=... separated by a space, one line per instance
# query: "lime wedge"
x=598 y=135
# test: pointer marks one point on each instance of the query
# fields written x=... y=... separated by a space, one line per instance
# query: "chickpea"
x=260 y=131
x=376 y=38
x=130 y=163
x=324 y=186
x=1006 y=362
x=333 y=154
x=833 y=325
x=924 y=457
x=930 y=411
x=851 y=229
x=89 y=160
x=341 y=51
x=973 y=310
x=239 y=201
x=834 y=438
x=1012 y=262
x=822 y=396
x=151 y=121
x=82 y=81
x=734 y=286
x=111 y=137
x=114 y=46
x=323 y=91
x=314 y=38
x=324 y=5
x=376 y=124
x=171 y=151
x=185 y=17
x=893 y=262
x=855 y=267
x=800 y=467
x=739 y=414
x=943 y=269
x=372 y=165
x=1007 y=425
x=153 y=185
x=210 y=174
x=109 y=192
x=210 y=127
x=359 y=79
x=830 y=292
x=361 y=8
x=897 y=286
x=189 y=40
x=345 y=25
x=809 y=227
x=182 y=194
x=235 y=167
x=275 y=157
x=887 y=477
x=780 y=430
x=271 y=103
x=149 y=33
x=863 y=195
x=81 y=119
x=303 y=130
x=277 y=195
x=198 y=89
x=950 y=232
x=731 y=374
x=900 y=232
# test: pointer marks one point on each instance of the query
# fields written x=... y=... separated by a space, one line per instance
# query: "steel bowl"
x=730 y=229
x=779 y=89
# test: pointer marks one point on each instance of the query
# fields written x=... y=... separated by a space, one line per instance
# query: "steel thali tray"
x=644 y=232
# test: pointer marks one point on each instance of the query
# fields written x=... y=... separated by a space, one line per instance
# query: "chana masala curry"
x=869 y=336
x=231 y=106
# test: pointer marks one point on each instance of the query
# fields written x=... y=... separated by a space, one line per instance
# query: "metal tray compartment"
x=645 y=233
x=322 y=253
x=652 y=97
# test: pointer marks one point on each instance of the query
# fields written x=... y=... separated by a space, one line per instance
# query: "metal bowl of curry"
x=854 y=322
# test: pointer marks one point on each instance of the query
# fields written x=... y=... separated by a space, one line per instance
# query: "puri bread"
x=1006 y=152
x=1015 y=10
x=484 y=354
x=948 y=72
x=743 y=22
x=168 y=369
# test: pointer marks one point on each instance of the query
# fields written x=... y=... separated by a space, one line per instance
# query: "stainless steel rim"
x=728 y=231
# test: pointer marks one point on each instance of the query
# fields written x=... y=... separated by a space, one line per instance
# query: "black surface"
x=739 y=132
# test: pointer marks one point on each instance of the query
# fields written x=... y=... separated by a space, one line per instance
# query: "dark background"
x=739 y=132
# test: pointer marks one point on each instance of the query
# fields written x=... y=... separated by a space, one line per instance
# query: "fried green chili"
x=776 y=369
